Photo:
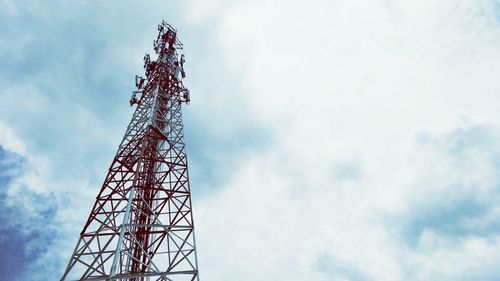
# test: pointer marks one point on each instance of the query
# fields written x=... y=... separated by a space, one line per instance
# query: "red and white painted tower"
x=141 y=226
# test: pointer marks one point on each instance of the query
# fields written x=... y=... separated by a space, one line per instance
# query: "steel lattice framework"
x=141 y=225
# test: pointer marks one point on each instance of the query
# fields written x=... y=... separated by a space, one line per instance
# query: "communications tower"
x=141 y=226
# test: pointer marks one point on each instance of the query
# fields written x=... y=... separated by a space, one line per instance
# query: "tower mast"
x=141 y=226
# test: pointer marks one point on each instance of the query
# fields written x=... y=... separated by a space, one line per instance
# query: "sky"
x=327 y=139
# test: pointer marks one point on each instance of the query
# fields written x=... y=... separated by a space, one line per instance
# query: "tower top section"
x=167 y=70
x=167 y=40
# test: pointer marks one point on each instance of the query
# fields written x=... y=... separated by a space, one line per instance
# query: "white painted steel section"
x=122 y=233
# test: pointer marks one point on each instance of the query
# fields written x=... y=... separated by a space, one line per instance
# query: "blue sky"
x=338 y=140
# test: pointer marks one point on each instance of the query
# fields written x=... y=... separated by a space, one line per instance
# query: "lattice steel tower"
x=141 y=225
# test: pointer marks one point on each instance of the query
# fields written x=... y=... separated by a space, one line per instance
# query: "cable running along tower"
x=141 y=225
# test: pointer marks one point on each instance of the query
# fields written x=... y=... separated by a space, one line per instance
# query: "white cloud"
x=273 y=218
x=10 y=141
x=344 y=86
